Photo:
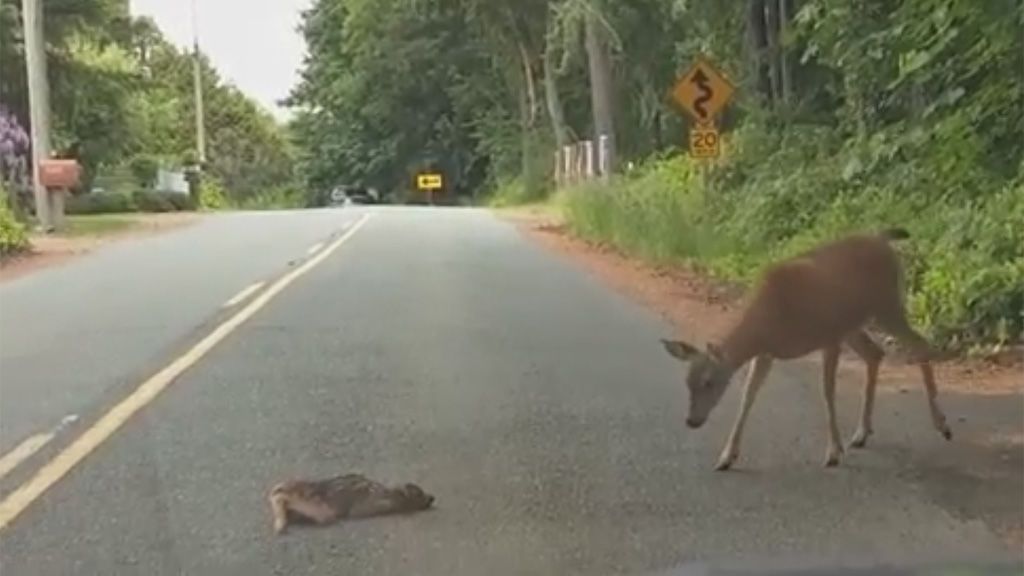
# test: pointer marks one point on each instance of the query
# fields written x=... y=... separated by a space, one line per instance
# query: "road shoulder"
x=704 y=310
x=985 y=397
x=85 y=234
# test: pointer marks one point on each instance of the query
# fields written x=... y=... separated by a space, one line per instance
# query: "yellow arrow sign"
x=703 y=91
x=429 y=182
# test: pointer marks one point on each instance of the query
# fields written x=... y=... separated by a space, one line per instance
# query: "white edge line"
x=243 y=294
x=314 y=248
x=50 y=473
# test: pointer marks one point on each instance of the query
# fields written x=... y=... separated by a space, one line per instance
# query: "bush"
x=99 y=203
x=212 y=195
x=180 y=202
x=163 y=201
x=144 y=169
x=13 y=236
x=776 y=198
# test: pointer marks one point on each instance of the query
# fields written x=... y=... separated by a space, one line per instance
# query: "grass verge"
x=98 y=224
x=965 y=261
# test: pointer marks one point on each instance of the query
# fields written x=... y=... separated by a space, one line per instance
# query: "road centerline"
x=29 y=446
x=91 y=438
x=244 y=293
x=24 y=451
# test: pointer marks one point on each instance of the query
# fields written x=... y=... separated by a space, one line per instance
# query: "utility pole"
x=49 y=207
x=198 y=85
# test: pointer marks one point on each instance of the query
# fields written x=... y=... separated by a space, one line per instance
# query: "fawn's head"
x=707 y=379
x=415 y=498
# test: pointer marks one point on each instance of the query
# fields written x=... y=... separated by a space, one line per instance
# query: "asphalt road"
x=441 y=347
x=72 y=336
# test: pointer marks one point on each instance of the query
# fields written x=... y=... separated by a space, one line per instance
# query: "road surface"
x=441 y=347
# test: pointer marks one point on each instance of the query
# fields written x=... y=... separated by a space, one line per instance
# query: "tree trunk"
x=599 y=59
x=757 y=45
x=771 y=17
x=531 y=88
x=554 y=101
x=786 y=76
x=528 y=116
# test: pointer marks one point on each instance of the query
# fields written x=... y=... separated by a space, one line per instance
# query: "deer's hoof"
x=724 y=463
x=946 y=433
x=832 y=457
x=860 y=438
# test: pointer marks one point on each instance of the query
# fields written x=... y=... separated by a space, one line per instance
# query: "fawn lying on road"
x=815 y=301
x=349 y=496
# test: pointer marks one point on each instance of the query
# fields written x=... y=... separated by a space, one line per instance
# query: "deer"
x=349 y=496
x=821 y=299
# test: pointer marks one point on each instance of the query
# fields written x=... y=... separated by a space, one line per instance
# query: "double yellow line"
x=16 y=503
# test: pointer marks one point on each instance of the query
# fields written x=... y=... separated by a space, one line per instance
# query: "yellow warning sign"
x=705 y=142
x=703 y=91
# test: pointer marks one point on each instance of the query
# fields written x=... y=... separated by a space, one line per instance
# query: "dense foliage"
x=13 y=236
x=122 y=102
x=850 y=114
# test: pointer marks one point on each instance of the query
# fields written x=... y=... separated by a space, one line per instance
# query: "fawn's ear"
x=680 y=349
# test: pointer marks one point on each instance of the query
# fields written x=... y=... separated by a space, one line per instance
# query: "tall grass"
x=965 y=259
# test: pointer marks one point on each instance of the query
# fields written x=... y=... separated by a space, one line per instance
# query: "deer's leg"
x=831 y=364
x=920 y=353
x=759 y=369
x=282 y=504
x=872 y=354
x=279 y=510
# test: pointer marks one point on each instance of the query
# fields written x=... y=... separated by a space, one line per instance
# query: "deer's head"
x=707 y=378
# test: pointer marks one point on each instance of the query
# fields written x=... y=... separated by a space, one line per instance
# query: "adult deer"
x=818 y=300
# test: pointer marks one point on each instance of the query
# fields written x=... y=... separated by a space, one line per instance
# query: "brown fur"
x=818 y=300
x=342 y=497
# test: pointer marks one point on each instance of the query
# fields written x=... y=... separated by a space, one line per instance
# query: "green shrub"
x=148 y=201
x=212 y=195
x=99 y=203
x=180 y=202
x=13 y=236
x=144 y=169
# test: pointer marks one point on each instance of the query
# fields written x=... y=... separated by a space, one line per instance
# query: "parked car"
x=345 y=194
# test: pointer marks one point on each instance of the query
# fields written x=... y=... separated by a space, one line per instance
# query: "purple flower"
x=14 y=146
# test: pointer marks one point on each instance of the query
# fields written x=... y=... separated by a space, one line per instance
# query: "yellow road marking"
x=245 y=293
x=17 y=501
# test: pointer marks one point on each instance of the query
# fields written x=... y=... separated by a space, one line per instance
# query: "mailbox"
x=54 y=173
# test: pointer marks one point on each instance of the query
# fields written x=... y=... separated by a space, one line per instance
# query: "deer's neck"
x=741 y=344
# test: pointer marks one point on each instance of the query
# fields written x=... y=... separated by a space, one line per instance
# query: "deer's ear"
x=680 y=349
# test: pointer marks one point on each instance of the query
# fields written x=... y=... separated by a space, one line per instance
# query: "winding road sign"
x=703 y=91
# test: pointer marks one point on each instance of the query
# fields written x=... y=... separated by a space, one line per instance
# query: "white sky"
x=253 y=43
